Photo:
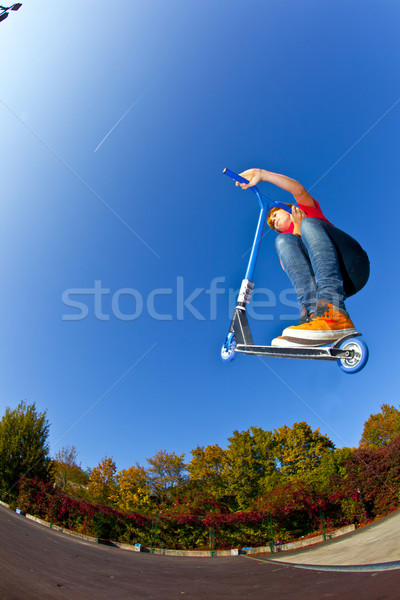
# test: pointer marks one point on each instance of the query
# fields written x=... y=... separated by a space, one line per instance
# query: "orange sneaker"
x=329 y=323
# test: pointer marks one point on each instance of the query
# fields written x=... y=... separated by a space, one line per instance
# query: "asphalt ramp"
x=39 y=563
x=373 y=548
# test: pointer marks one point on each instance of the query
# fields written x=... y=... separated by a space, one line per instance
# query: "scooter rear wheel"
x=359 y=357
x=228 y=352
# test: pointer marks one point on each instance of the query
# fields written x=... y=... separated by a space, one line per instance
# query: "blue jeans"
x=325 y=263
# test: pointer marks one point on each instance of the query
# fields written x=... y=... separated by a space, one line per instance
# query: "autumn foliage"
x=265 y=487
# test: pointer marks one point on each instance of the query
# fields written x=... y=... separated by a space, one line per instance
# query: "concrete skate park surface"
x=376 y=546
x=39 y=563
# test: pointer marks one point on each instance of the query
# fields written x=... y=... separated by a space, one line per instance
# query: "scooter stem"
x=264 y=210
x=256 y=243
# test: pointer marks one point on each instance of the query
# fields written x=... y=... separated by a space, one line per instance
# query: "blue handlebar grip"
x=254 y=189
x=235 y=176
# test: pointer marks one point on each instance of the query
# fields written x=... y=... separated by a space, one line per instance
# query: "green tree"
x=102 y=486
x=381 y=428
x=24 y=450
x=299 y=449
x=207 y=469
x=166 y=473
x=251 y=463
x=332 y=464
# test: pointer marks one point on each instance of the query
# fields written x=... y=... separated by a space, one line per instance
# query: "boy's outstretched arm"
x=288 y=184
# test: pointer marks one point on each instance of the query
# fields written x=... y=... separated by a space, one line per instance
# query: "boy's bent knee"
x=285 y=240
x=309 y=224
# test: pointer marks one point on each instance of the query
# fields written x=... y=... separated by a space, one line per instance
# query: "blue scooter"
x=350 y=352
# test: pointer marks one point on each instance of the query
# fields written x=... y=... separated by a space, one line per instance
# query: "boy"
x=324 y=264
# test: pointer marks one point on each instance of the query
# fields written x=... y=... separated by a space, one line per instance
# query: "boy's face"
x=281 y=220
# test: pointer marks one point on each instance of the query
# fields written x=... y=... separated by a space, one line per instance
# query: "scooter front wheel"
x=358 y=358
x=228 y=352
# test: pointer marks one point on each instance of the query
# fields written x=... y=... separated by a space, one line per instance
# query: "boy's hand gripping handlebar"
x=262 y=199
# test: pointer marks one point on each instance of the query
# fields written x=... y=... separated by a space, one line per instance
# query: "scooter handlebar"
x=262 y=199
x=235 y=176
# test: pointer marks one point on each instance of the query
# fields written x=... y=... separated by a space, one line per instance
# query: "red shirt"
x=314 y=212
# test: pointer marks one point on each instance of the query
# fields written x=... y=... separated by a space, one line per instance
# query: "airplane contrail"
x=124 y=115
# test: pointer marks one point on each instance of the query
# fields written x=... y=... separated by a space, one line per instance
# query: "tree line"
x=254 y=463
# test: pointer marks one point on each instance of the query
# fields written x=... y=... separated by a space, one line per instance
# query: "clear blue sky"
x=287 y=86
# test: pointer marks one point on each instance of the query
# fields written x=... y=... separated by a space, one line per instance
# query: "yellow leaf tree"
x=102 y=484
x=133 y=491
x=381 y=428
x=207 y=469
x=299 y=449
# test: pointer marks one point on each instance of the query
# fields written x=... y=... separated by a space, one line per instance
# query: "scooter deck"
x=331 y=352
